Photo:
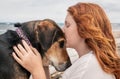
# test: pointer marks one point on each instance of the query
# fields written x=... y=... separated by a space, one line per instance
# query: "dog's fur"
x=45 y=36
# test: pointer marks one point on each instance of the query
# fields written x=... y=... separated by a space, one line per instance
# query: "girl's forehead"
x=68 y=17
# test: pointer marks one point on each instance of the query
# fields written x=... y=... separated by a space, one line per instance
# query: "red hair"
x=94 y=26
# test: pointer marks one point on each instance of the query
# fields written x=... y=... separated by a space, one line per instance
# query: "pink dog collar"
x=22 y=35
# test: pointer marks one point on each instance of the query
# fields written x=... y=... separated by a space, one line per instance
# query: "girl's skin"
x=30 y=58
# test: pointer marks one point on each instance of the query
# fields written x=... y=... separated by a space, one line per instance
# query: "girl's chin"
x=67 y=45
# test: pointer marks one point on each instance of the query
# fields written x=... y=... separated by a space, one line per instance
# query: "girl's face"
x=71 y=32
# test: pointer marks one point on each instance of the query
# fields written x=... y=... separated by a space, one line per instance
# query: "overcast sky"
x=26 y=10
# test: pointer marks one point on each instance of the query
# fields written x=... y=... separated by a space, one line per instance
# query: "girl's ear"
x=17 y=25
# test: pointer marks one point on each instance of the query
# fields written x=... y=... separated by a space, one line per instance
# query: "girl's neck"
x=82 y=49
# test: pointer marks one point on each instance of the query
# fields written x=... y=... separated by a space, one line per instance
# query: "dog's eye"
x=61 y=43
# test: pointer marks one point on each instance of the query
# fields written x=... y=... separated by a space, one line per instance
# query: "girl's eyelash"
x=67 y=25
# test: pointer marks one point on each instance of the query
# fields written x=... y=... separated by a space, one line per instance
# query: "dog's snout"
x=68 y=64
x=63 y=66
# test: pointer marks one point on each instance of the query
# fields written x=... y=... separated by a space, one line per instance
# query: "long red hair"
x=94 y=26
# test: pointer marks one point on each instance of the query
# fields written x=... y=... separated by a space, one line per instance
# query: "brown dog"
x=45 y=36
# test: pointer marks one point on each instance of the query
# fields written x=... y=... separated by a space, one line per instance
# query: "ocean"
x=6 y=26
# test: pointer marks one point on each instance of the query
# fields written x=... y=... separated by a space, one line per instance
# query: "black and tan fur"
x=45 y=36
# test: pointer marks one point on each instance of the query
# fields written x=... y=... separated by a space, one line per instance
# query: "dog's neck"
x=28 y=34
x=22 y=35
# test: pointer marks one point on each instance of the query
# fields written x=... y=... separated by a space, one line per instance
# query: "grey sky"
x=26 y=10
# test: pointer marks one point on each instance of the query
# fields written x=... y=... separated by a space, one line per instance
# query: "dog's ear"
x=17 y=25
x=44 y=36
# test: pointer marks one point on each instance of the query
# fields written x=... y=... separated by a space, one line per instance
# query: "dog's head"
x=48 y=38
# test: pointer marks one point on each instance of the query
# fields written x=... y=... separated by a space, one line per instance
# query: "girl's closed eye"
x=67 y=25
